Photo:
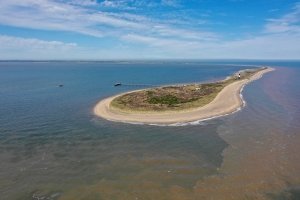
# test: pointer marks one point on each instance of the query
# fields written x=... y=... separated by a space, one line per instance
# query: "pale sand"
x=227 y=101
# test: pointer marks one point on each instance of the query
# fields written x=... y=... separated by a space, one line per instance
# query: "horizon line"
x=146 y=59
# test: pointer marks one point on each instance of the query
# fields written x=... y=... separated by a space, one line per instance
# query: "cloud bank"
x=156 y=37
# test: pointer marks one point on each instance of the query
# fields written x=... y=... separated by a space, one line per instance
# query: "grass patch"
x=166 y=99
x=175 y=97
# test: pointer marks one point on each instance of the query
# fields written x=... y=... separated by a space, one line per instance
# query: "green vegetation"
x=166 y=99
x=175 y=97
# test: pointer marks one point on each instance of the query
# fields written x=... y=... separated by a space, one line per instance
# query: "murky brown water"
x=253 y=154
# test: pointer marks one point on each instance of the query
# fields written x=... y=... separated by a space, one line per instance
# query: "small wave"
x=242 y=98
x=198 y=122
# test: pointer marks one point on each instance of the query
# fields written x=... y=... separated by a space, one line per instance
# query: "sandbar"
x=227 y=101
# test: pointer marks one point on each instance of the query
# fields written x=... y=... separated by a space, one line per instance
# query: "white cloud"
x=275 y=46
x=279 y=39
x=109 y=3
x=155 y=37
x=11 y=47
x=287 y=23
x=54 y=15
x=45 y=15
x=9 y=42
x=185 y=34
x=173 y=3
x=119 y=4
x=261 y=47
x=83 y=2
x=279 y=46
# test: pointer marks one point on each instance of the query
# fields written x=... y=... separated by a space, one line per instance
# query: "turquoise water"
x=53 y=147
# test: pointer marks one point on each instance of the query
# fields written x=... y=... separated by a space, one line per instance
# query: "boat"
x=117 y=84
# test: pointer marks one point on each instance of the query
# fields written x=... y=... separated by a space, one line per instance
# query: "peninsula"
x=179 y=103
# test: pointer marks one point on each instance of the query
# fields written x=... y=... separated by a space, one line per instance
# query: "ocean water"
x=53 y=147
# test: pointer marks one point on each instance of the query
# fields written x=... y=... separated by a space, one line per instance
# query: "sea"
x=53 y=147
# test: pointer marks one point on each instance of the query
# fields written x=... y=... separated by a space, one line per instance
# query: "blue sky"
x=144 y=29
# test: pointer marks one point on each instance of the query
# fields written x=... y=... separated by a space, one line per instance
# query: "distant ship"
x=118 y=84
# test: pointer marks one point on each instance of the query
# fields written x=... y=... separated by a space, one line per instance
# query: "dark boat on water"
x=117 y=84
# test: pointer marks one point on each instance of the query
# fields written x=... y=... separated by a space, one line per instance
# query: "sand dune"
x=226 y=102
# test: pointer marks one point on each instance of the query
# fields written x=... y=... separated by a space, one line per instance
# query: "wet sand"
x=227 y=101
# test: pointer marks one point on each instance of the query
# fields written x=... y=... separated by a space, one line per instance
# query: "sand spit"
x=227 y=101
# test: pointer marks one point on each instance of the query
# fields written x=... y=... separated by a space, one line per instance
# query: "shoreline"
x=216 y=108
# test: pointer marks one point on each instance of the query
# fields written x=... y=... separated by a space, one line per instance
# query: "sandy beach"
x=227 y=101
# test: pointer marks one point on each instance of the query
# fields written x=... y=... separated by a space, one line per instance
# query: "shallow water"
x=52 y=146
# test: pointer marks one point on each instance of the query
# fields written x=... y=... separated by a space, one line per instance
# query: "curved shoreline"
x=228 y=100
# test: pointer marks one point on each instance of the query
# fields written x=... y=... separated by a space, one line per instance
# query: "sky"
x=144 y=29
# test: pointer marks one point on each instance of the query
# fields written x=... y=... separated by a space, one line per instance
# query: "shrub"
x=167 y=99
